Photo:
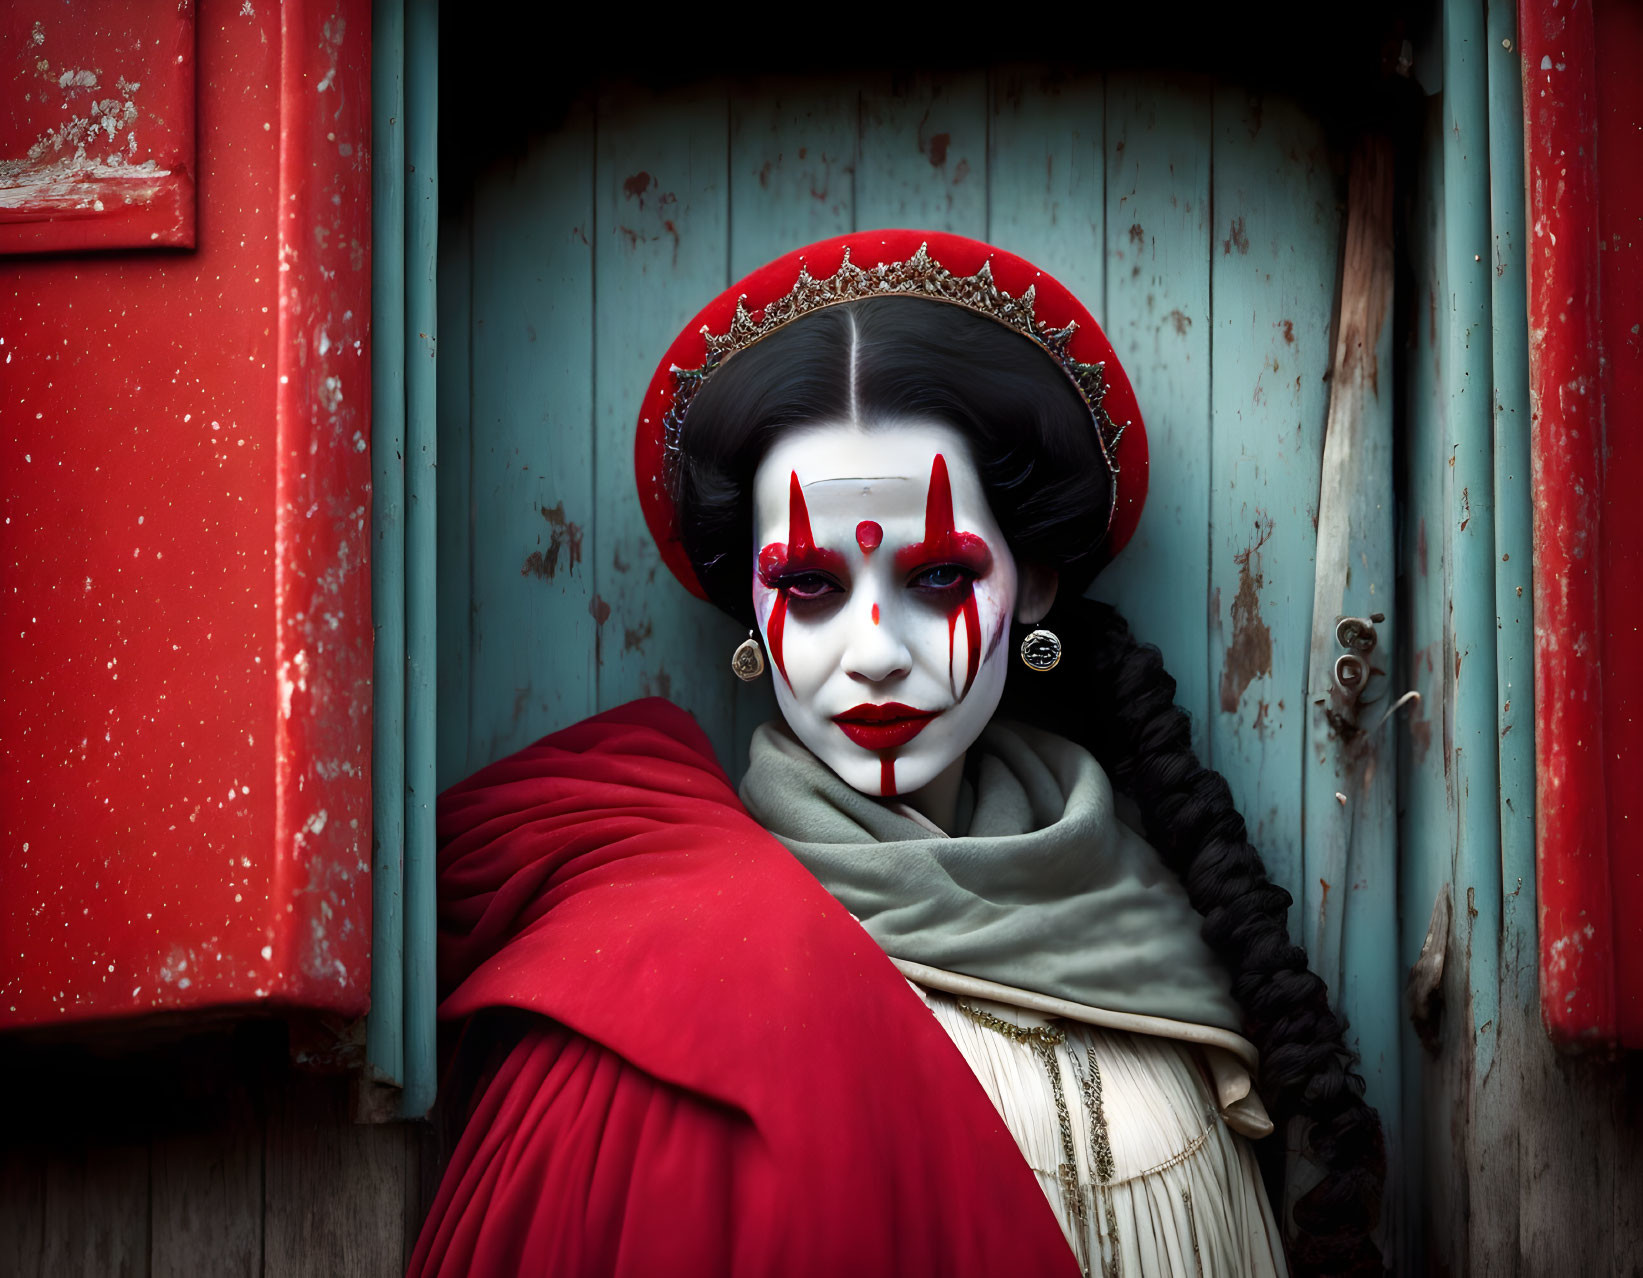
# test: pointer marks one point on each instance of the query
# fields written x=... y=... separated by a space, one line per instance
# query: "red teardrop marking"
x=887 y=776
x=943 y=542
x=869 y=536
x=773 y=632
x=875 y=614
x=798 y=553
x=972 y=638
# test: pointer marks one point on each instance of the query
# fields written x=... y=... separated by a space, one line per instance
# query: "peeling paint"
x=564 y=536
x=1249 y=655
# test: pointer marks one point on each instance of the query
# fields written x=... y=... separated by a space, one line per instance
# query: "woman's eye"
x=808 y=585
x=941 y=577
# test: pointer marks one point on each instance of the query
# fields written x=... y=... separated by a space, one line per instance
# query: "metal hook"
x=1357 y=634
x=1399 y=704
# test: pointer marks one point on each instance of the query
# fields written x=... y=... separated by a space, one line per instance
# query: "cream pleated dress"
x=1129 y=1137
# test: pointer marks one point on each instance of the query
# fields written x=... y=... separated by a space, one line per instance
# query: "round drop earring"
x=748 y=659
x=1041 y=650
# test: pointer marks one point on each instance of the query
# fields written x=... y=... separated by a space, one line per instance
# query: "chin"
x=866 y=770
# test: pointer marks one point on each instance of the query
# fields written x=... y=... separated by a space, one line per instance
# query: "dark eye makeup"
x=808 y=585
x=942 y=577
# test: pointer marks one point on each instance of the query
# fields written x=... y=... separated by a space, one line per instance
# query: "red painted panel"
x=185 y=611
x=1583 y=109
x=97 y=127
x=1619 y=162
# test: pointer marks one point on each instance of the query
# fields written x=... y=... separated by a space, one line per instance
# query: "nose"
x=876 y=651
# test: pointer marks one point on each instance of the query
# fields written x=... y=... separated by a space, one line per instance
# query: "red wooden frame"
x=1583 y=102
x=185 y=722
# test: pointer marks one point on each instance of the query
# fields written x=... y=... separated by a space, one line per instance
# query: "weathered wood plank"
x=22 y=1209
x=792 y=167
x=96 y=1209
x=923 y=152
x=792 y=181
x=1350 y=802
x=533 y=629
x=1277 y=225
x=335 y=1192
x=456 y=507
x=1158 y=319
x=662 y=248
x=1434 y=1179
x=1046 y=171
x=207 y=1204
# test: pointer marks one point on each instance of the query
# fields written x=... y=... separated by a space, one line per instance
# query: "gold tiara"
x=919 y=276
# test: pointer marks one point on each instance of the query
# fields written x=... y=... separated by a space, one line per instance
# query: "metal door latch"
x=1357 y=635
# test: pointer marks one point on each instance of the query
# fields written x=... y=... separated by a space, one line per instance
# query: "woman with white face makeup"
x=923 y=1001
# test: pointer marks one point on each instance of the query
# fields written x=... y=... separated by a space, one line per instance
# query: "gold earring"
x=748 y=659
x=1041 y=650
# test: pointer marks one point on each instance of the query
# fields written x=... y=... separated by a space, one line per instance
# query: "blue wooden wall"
x=566 y=272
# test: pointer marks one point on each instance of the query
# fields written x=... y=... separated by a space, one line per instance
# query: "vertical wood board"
x=1157 y=251
x=533 y=630
x=457 y=512
x=1274 y=249
x=922 y=154
x=334 y=1192
x=1046 y=175
x=206 y=1202
x=792 y=167
x=662 y=252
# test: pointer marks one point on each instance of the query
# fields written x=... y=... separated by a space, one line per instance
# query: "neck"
x=937 y=801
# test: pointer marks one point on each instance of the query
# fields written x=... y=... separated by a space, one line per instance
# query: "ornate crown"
x=917 y=276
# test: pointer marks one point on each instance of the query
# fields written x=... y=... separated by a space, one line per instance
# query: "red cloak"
x=728 y=1077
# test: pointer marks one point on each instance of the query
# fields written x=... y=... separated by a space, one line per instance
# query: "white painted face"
x=884 y=591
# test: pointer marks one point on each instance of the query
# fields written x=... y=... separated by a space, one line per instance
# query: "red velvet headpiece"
x=905 y=263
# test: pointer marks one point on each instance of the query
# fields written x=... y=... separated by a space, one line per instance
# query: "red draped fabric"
x=728 y=1076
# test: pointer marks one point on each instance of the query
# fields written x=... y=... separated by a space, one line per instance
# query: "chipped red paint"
x=798 y=554
x=869 y=536
x=97 y=138
x=185 y=720
x=943 y=543
x=1582 y=102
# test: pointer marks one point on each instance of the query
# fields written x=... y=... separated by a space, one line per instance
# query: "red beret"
x=901 y=263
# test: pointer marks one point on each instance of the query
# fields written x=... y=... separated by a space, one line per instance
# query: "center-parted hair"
x=1032 y=441
x=1030 y=435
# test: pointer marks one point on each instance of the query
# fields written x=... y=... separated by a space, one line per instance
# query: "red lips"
x=883 y=727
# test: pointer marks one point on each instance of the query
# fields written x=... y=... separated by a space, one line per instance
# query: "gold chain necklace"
x=1044 y=1039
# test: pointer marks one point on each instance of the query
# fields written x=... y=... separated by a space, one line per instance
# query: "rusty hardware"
x=1351 y=673
x=1357 y=634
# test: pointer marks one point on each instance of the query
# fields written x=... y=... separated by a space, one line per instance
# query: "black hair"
x=1030 y=435
x=1033 y=442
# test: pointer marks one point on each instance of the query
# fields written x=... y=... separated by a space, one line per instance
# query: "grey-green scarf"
x=1041 y=888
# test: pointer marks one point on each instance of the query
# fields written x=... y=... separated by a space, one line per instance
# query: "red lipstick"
x=883 y=727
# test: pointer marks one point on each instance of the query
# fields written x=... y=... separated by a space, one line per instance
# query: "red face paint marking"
x=887 y=776
x=780 y=561
x=875 y=614
x=868 y=536
x=944 y=544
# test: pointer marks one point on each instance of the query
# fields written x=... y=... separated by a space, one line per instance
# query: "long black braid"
x=1113 y=696
x=1033 y=443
